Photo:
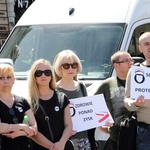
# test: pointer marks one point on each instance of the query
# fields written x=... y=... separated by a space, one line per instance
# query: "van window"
x=133 y=47
x=93 y=43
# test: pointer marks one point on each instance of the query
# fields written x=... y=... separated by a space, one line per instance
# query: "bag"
x=0 y=141
x=69 y=145
x=128 y=132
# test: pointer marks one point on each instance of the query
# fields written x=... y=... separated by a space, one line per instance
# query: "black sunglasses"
x=39 y=73
x=12 y=113
x=67 y=66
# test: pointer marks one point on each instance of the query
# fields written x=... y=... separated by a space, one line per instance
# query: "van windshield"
x=93 y=43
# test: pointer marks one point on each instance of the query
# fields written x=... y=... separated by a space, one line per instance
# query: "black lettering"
x=87 y=119
x=83 y=104
x=147 y=74
x=142 y=90
x=85 y=112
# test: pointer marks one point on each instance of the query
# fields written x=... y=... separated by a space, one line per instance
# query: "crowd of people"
x=50 y=88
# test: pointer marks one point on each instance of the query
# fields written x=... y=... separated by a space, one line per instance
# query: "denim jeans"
x=143 y=139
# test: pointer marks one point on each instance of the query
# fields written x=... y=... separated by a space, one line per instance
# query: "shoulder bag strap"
x=60 y=98
x=48 y=123
x=82 y=89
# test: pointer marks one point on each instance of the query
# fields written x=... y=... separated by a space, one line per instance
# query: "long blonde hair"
x=33 y=91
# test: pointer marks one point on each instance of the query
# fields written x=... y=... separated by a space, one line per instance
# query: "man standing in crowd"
x=140 y=104
x=113 y=89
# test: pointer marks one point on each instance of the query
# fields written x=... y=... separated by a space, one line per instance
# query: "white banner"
x=89 y=112
x=140 y=82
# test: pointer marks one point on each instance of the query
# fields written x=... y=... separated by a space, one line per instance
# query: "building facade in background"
x=10 y=13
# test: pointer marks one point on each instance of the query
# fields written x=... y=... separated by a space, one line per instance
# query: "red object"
x=105 y=116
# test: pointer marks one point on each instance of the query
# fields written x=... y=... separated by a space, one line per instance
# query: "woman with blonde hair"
x=13 y=108
x=53 y=118
x=67 y=65
x=60 y=61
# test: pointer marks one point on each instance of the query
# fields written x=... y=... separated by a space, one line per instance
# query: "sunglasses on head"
x=67 y=66
x=39 y=73
x=12 y=113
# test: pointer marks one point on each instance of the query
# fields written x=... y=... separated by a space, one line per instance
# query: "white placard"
x=89 y=112
x=140 y=82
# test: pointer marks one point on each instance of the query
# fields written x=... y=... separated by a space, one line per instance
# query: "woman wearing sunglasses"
x=13 y=108
x=67 y=65
x=53 y=118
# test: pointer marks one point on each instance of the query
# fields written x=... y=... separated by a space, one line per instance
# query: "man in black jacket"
x=113 y=89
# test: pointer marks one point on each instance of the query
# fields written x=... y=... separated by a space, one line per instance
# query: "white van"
x=94 y=29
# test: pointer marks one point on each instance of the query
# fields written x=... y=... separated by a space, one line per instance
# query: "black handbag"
x=69 y=145
x=0 y=141
x=128 y=133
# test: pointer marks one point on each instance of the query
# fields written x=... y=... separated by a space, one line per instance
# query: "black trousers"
x=93 y=143
x=111 y=145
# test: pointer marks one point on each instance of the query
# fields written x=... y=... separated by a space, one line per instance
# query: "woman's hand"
x=58 y=146
x=105 y=128
x=14 y=133
x=74 y=132
x=109 y=124
x=29 y=130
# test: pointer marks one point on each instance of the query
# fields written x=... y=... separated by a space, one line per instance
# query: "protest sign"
x=89 y=112
x=140 y=79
